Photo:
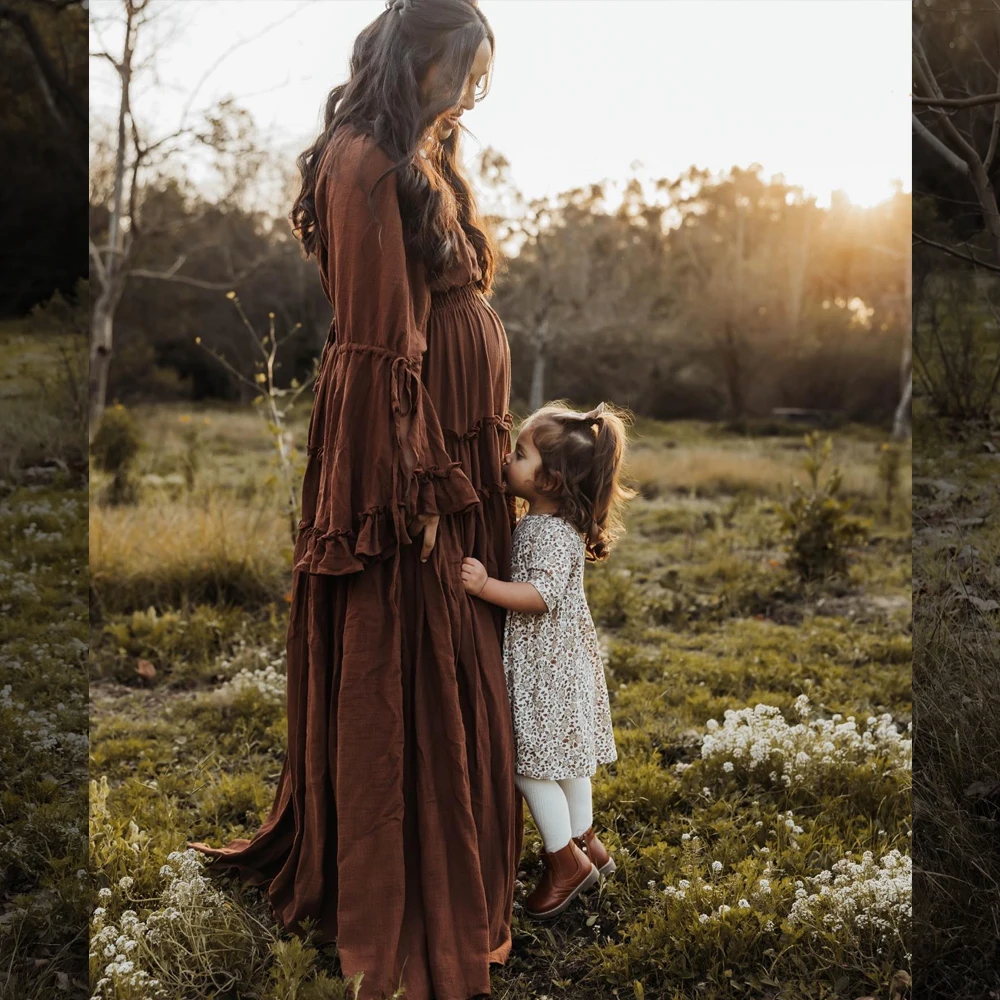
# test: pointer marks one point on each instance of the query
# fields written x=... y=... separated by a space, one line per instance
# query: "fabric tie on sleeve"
x=357 y=495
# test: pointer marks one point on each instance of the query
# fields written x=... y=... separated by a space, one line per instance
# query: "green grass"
x=699 y=616
x=47 y=892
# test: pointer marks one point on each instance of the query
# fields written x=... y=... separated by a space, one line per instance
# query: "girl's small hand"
x=474 y=576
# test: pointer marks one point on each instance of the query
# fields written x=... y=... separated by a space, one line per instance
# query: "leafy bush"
x=817 y=523
x=180 y=645
x=116 y=445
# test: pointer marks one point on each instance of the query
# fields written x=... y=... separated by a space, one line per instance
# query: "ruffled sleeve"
x=357 y=497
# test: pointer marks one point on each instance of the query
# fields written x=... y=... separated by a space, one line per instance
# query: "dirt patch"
x=109 y=699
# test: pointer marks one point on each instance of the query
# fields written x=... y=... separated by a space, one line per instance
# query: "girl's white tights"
x=561 y=809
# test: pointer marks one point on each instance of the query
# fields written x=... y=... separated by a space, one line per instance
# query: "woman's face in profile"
x=448 y=121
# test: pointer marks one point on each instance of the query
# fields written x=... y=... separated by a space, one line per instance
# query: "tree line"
x=43 y=151
x=695 y=296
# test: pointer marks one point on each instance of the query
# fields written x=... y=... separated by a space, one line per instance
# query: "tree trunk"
x=732 y=361
x=901 y=422
x=100 y=361
x=799 y=276
x=113 y=263
x=733 y=373
x=538 y=378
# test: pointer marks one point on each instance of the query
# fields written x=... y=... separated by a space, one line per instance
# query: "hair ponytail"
x=582 y=457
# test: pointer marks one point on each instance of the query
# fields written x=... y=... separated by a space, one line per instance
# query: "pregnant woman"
x=396 y=824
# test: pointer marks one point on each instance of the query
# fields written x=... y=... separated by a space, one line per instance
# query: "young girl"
x=566 y=465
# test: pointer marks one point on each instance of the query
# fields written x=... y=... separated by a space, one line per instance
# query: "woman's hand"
x=474 y=576
x=428 y=524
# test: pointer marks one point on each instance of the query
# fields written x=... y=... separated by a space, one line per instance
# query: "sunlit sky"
x=814 y=90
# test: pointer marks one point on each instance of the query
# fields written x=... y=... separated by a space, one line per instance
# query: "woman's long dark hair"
x=382 y=99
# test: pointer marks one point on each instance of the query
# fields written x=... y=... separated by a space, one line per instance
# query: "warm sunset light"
x=580 y=91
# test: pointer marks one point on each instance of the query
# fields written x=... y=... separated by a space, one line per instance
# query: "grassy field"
x=956 y=795
x=46 y=895
x=760 y=808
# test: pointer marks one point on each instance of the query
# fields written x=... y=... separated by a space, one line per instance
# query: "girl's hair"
x=382 y=99
x=582 y=456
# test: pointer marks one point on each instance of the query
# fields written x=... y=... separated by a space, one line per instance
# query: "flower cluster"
x=35 y=534
x=14 y=583
x=760 y=744
x=41 y=732
x=67 y=507
x=263 y=672
x=267 y=681
x=128 y=942
x=714 y=895
x=861 y=900
x=118 y=944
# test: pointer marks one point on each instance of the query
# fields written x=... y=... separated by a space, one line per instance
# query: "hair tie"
x=595 y=416
x=396 y=5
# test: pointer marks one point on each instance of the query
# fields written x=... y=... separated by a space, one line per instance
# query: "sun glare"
x=867 y=193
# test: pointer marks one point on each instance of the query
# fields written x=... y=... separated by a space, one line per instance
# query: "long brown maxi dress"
x=396 y=824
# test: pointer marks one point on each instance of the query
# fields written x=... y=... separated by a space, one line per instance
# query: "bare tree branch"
x=95 y=257
x=171 y=274
x=955 y=161
x=957 y=102
x=969 y=257
x=225 y=55
x=976 y=170
x=995 y=127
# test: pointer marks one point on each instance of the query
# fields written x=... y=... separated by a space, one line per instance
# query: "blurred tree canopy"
x=696 y=296
x=724 y=297
x=43 y=143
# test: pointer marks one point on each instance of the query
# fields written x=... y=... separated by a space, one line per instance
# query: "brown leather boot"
x=568 y=872
x=596 y=851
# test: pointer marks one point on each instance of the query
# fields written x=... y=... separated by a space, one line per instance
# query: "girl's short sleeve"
x=551 y=560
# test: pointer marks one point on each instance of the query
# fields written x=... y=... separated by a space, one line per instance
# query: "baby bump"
x=467 y=365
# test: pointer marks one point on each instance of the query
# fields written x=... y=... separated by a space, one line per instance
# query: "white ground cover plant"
x=192 y=940
x=713 y=893
x=758 y=746
x=268 y=681
x=866 y=907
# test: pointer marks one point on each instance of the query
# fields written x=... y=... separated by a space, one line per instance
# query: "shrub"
x=116 y=445
x=611 y=594
x=295 y=976
x=181 y=645
x=890 y=461
x=236 y=799
x=817 y=523
x=716 y=917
